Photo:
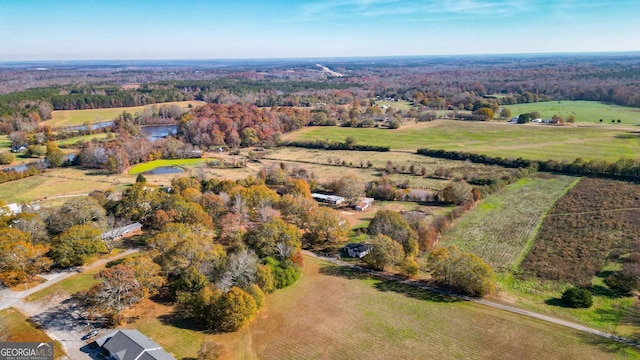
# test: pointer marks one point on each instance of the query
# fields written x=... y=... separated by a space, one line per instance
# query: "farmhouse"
x=364 y=204
x=358 y=250
x=329 y=199
x=128 y=230
x=132 y=345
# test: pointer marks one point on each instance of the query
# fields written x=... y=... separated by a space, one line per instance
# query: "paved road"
x=59 y=317
x=492 y=304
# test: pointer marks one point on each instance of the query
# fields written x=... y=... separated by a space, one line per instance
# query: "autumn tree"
x=385 y=252
x=505 y=113
x=465 y=272
x=146 y=272
x=76 y=245
x=77 y=211
x=325 y=226
x=264 y=237
x=240 y=271
x=117 y=289
x=296 y=209
x=180 y=246
x=351 y=187
x=392 y=224
x=237 y=307
x=140 y=201
x=19 y=258
x=457 y=192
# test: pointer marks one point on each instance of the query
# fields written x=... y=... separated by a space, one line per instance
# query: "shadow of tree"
x=178 y=320
x=388 y=285
x=556 y=302
x=607 y=345
x=600 y=290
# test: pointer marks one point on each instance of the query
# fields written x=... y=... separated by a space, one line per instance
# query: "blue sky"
x=199 y=29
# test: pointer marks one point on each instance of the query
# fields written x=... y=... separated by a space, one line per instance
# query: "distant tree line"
x=621 y=169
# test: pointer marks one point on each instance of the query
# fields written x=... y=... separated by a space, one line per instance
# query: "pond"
x=155 y=132
x=163 y=170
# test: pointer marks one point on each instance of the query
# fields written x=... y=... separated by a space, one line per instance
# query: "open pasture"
x=502 y=226
x=61 y=182
x=82 y=139
x=333 y=313
x=584 y=111
x=317 y=161
x=61 y=118
x=532 y=141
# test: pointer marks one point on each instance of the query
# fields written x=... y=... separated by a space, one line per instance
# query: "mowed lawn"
x=584 y=111
x=148 y=166
x=331 y=313
x=502 y=227
x=532 y=141
x=15 y=327
x=78 y=117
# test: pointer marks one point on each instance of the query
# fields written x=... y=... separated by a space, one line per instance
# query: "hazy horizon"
x=39 y=30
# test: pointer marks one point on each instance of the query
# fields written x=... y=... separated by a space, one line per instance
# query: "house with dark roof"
x=358 y=250
x=130 y=344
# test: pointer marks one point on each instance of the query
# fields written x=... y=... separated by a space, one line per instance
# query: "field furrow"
x=500 y=227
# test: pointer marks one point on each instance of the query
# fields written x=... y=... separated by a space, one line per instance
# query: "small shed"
x=358 y=250
x=364 y=204
x=329 y=199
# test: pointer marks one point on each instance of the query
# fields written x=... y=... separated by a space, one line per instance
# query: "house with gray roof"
x=122 y=231
x=130 y=344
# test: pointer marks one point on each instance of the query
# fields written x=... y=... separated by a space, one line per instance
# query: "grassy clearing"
x=82 y=139
x=59 y=182
x=15 y=327
x=4 y=141
x=71 y=285
x=500 y=227
x=144 y=167
x=78 y=117
x=400 y=105
x=584 y=111
x=534 y=142
x=317 y=161
x=333 y=313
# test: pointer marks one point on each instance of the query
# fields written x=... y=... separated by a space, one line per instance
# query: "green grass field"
x=535 y=142
x=502 y=226
x=15 y=327
x=332 y=313
x=144 y=167
x=71 y=285
x=82 y=139
x=584 y=111
x=4 y=141
x=78 y=117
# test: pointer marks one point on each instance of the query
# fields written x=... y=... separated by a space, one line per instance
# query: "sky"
x=237 y=29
